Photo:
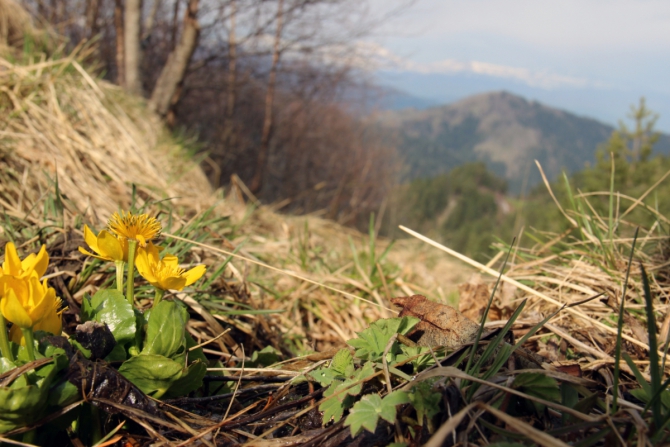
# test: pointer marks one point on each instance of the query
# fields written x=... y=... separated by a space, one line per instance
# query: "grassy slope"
x=72 y=147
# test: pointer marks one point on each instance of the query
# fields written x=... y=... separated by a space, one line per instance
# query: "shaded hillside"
x=505 y=131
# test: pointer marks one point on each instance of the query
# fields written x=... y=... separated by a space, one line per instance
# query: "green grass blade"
x=617 y=349
x=654 y=363
x=488 y=306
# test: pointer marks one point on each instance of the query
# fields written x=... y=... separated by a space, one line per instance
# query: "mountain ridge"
x=504 y=130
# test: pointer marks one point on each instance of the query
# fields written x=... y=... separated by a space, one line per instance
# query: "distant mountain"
x=605 y=104
x=505 y=131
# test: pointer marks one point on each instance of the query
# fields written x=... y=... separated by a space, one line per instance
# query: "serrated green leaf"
x=153 y=374
x=165 y=331
x=112 y=308
x=360 y=375
x=420 y=355
x=371 y=342
x=343 y=363
x=538 y=385
x=366 y=412
x=392 y=400
x=325 y=376
x=334 y=407
x=425 y=401
x=341 y=368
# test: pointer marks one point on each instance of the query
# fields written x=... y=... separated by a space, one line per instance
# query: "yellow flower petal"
x=109 y=246
x=170 y=261
x=88 y=253
x=144 y=262
x=52 y=322
x=36 y=263
x=12 y=309
x=172 y=283
x=12 y=264
x=194 y=274
x=90 y=238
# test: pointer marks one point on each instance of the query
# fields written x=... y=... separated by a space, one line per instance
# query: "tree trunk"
x=228 y=134
x=92 y=10
x=132 y=20
x=150 y=21
x=120 y=58
x=175 y=26
x=268 y=121
x=172 y=75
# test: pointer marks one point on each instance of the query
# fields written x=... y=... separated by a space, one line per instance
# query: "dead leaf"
x=572 y=370
x=440 y=325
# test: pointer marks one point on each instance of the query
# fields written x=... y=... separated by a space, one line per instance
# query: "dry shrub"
x=323 y=157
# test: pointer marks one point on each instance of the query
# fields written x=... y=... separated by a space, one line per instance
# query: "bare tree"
x=132 y=19
x=119 y=53
x=92 y=11
x=256 y=182
x=167 y=89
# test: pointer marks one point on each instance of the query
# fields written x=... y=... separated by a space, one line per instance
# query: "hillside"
x=249 y=353
x=505 y=131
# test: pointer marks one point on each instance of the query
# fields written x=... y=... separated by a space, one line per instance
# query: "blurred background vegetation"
x=273 y=98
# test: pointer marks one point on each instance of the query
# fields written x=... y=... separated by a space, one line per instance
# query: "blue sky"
x=594 y=57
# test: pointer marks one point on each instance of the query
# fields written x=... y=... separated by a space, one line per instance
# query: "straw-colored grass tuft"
x=63 y=129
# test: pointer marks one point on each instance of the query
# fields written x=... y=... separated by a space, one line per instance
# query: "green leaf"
x=423 y=361
x=325 y=376
x=153 y=374
x=165 y=332
x=265 y=357
x=538 y=385
x=341 y=368
x=371 y=342
x=111 y=307
x=366 y=412
x=334 y=408
x=63 y=394
x=24 y=401
x=343 y=363
x=425 y=401
x=189 y=381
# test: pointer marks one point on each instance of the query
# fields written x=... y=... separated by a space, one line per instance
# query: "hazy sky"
x=595 y=44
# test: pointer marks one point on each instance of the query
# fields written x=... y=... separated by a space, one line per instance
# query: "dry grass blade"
x=275 y=269
x=450 y=371
x=525 y=288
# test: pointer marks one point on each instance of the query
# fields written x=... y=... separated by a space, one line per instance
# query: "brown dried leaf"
x=440 y=325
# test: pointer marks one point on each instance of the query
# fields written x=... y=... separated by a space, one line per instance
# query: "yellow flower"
x=106 y=245
x=33 y=263
x=141 y=227
x=30 y=304
x=52 y=323
x=165 y=274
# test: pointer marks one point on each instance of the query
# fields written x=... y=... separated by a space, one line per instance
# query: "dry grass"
x=62 y=125
x=73 y=147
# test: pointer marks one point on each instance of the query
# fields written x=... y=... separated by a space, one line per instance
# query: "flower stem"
x=30 y=342
x=119 y=275
x=4 y=340
x=130 y=285
x=158 y=296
